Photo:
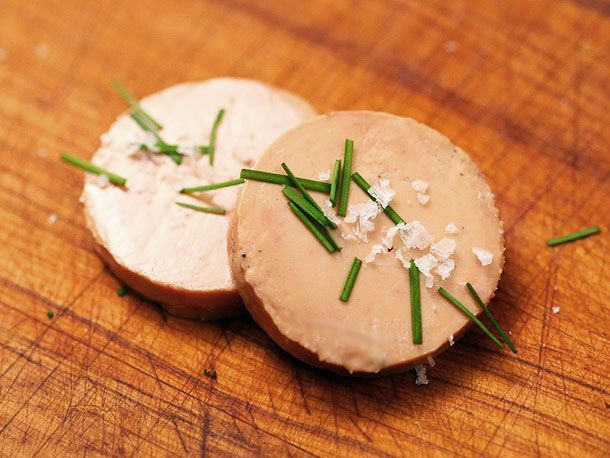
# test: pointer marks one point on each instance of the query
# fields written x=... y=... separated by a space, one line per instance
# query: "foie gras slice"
x=170 y=254
x=291 y=284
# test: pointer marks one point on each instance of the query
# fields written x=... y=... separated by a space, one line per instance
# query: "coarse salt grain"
x=419 y=185
x=451 y=341
x=52 y=219
x=425 y=264
x=423 y=198
x=485 y=257
x=398 y=255
x=324 y=176
x=422 y=378
x=445 y=269
x=451 y=228
x=388 y=239
x=443 y=249
x=431 y=361
x=375 y=250
x=362 y=215
x=555 y=309
x=415 y=235
x=329 y=213
x=382 y=192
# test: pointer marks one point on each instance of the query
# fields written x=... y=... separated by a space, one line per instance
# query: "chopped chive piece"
x=89 y=167
x=219 y=211
x=135 y=105
x=347 y=171
x=304 y=205
x=50 y=314
x=122 y=291
x=334 y=183
x=388 y=210
x=329 y=237
x=210 y=149
x=276 y=178
x=350 y=280
x=468 y=313
x=491 y=318
x=415 y=302
x=574 y=236
x=211 y=187
x=315 y=230
x=307 y=196
x=170 y=150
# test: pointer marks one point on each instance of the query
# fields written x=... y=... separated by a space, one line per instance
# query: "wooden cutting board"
x=521 y=85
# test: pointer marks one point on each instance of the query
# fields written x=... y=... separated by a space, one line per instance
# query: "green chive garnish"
x=347 y=171
x=315 y=230
x=304 y=205
x=415 y=302
x=89 y=167
x=50 y=314
x=165 y=148
x=219 y=211
x=491 y=318
x=122 y=291
x=276 y=178
x=210 y=149
x=135 y=105
x=307 y=196
x=350 y=280
x=388 y=210
x=334 y=183
x=211 y=187
x=574 y=236
x=469 y=314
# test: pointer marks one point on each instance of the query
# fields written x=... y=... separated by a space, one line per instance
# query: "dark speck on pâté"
x=243 y=255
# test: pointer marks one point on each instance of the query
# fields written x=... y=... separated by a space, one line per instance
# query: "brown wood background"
x=522 y=85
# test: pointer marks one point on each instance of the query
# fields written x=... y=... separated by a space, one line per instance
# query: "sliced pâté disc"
x=291 y=284
x=170 y=254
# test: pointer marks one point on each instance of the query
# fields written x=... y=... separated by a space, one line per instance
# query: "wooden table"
x=521 y=85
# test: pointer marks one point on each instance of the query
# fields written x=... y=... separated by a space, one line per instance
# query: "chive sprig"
x=216 y=210
x=574 y=236
x=443 y=292
x=334 y=183
x=313 y=228
x=365 y=186
x=210 y=149
x=477 y=298
x=350 y=280
x=304 y=205
x=89 y=167
x=135 y=105
x=347 y=171
x=212 y=187
x=277 y=178
x=415 y=295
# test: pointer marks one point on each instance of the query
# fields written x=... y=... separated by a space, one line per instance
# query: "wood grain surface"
x=522 y=85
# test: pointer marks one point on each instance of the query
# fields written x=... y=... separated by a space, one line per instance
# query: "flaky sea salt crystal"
x=485 y=257
x=451 y=228
x=328 y=211
x=422 y=378
x=415 y=235
x=362 y=215
x=431 y=361
x=375 y=250
x=388 y=239
x=451 y=341
x=419 y=185
x=445 y=269
x=52 y=219
x=429 y=281
x=324 y=176
x=443 y=249
x=425 y=264
x=398 y=255
x=555 y=309
x=382 y=192
x=423 y=198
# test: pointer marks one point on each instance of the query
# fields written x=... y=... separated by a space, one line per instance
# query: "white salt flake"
x=419 y=185
x=423 y=198
x=451 y=46
x=375 y=250
x=42 y=51
x=555 y=309
x=451 y=341
x=329 y=213
x=425 y=264
x=431 y=361
x=443 y=249
x=41 y=153
x=382 y=192
x=485 y=257
x=398 y=255
x=362 y=215
x=52 y=219
x=324 y=176
x=388 y=239
x=451 y=228
x=422 y=378
x=445 y=269
x=415 y=235
x=429 y=282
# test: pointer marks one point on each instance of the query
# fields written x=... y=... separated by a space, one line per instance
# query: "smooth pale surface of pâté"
x=291 y=284
x=170 y=254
